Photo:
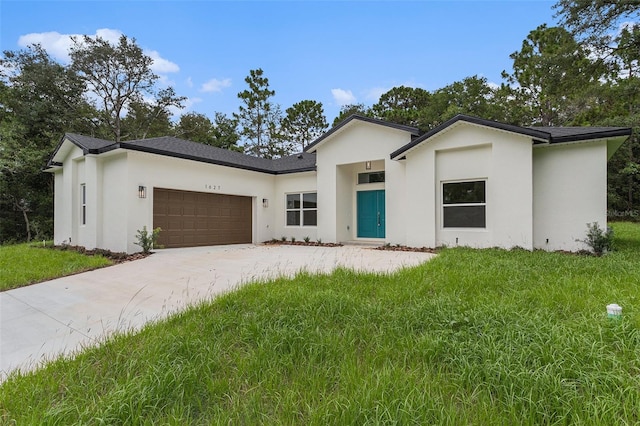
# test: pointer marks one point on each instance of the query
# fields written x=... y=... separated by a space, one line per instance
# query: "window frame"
x=369 y=174
x=445 y=205
x=83 y=203
x=300 y=210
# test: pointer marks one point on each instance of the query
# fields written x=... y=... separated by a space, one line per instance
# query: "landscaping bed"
x=115 y=257
x=300 y=243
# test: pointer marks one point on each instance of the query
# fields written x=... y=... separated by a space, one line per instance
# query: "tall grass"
x=472 y=337
x=24 y=264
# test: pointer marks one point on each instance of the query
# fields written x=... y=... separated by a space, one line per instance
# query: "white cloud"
x=58 y=45
x=161 y=65
x=189 y=82
x=343 y=97
x=53 y=42
x=374 y=93
x=215 y=85
x=112 y=36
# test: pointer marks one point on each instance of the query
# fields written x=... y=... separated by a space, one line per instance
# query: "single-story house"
x=470 y=182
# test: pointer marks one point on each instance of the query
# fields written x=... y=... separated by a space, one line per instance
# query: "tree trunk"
x=23 y=209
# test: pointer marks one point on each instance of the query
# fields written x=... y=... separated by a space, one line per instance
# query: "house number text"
x=213 y=187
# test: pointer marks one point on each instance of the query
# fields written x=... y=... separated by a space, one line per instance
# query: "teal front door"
x=371 y=214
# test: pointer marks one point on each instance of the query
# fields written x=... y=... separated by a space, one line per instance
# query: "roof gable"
x=353 y=118
x=546 y=135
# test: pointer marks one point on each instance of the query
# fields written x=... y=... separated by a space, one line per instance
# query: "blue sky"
x=334 y=52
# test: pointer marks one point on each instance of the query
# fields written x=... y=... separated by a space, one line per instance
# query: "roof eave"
x=194 y=158
x=534 y=134
x=313 y=146
x=613 y=133
x=300 y=170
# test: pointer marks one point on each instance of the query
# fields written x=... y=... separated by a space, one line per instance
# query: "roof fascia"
x=313 y=146
x=300 y=170
x=63 y=139
x=534 y=134
x=194 y=158
x=611 y=133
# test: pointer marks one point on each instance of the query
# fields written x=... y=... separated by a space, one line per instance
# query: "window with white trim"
x=464 y=204
x=302 y=209
x=83 y=203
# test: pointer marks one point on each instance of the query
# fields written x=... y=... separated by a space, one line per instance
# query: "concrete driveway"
x=61 y=316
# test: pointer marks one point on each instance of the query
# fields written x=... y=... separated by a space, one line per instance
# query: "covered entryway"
x=191 y=219
x=371 y=214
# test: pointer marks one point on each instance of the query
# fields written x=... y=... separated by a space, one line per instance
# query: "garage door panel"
x=198 y=218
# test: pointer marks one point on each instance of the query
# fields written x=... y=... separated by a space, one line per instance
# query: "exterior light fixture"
x=265 y=202
x=142 y=191
x=367 y=165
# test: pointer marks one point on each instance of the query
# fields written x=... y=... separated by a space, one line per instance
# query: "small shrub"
x=319 y=240
x=283 y=238
x=146 y=239
x=599 y=240
x=293 y=239
x=307 y=239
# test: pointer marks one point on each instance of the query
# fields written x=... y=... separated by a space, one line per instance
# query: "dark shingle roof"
x=548 y=135
x=180 y=148
x=569 y=134
x=87 y=143
x=413 y=130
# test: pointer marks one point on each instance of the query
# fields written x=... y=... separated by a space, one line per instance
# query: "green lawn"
x=24 y=264
x=472 y=337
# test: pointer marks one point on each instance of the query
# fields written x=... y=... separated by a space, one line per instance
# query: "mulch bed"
x=383 y=247
x=300 y=243
x=389 y=247
x=115 y=257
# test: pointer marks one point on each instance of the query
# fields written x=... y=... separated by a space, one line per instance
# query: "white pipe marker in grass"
x=614 y=311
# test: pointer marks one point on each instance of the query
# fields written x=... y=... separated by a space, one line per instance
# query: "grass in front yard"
x=24 y=264
x=472 y=337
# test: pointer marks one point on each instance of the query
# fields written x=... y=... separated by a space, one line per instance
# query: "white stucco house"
x=470 y=182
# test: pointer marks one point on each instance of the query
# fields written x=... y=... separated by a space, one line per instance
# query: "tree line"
x=581 y=73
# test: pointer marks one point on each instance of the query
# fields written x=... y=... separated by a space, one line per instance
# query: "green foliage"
x=150 y=119
x=147 y=240
x=599 y=240
x=39 y=100
x=487 y=337
x=403 y=105
x=539 y=79
x=293 y=239
x=260 y=119
x=303 y=123
x=43 y=264
x=348 y=110
x=307 y=239
x=595 y=20
x=120 y=76
x=225 y=132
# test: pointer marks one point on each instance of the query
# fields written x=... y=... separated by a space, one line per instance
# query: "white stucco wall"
x=471 y=152
x=339 y=158
x=292 y=183
x=156 y=171
x=116 y=199
x=66 y=203
x=570 y=190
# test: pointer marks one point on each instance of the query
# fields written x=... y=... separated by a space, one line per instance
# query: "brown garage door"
x=192 y=219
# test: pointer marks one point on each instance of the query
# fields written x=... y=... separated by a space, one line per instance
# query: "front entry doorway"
x=371 y=217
